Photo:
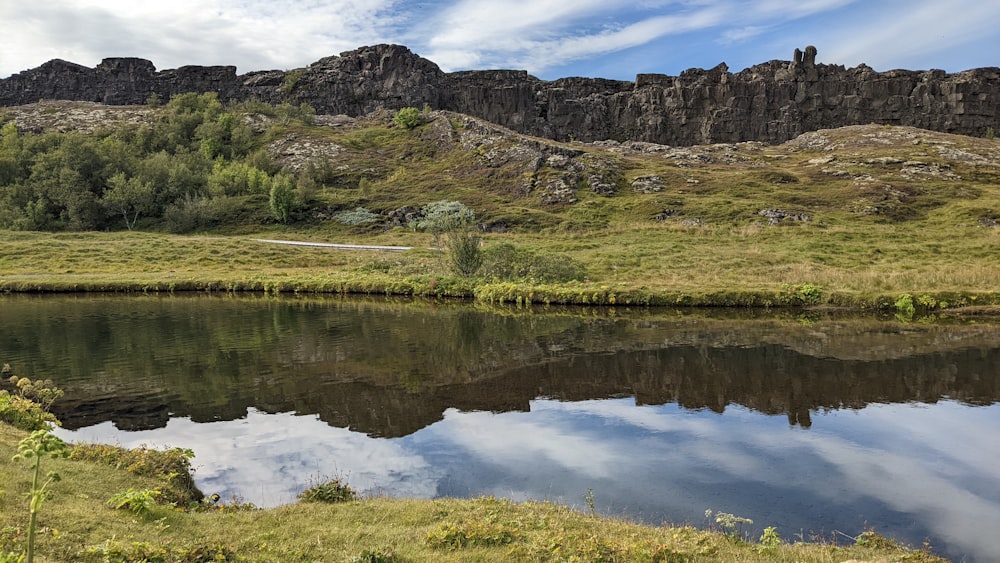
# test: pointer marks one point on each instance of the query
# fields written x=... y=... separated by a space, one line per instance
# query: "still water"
x=821 y=425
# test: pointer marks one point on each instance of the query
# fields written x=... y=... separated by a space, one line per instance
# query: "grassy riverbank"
x=78 y=524
x=856 y=217
x=688 y=267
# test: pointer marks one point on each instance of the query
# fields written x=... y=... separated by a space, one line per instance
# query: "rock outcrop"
x=770 y=102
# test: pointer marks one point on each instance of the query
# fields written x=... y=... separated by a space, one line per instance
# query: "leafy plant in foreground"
x=769 y=540
x=138 y=502
x=39 y=444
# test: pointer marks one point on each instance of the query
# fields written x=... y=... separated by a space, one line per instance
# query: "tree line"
x=198 y=164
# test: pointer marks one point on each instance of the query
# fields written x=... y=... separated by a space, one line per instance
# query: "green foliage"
x=197 y=213
x=356 y=217
x=291 y=80
x=769 y=540
x=804 y=294
x=128 y=197
x=282 y=197
x=869 y=538
x=117 y=551
x=237 y=178
x=93 y=181
x=506 y=262
x=173 y=466
x=904 y=307
x=138 y=502
x=408 y=118
x=330 y=491
x=443 y=216
x=449 y=535
x=40 y=444
x=23 y=413
x=464 y=252
x=27 y=407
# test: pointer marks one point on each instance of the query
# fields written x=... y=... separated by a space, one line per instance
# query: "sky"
x=548 y=38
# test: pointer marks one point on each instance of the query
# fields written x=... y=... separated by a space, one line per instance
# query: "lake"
x=822 y=425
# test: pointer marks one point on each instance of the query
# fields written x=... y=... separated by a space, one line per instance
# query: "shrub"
x=356 y=217
x=28 y=406
x=282 y=197
x=332 y=491
x=191 y=214
x=466 y=256
x=408 y=118
x=904 y=307
x=507 y=262
x=24 y=413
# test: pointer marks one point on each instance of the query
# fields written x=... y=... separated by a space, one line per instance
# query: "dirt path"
x=338 y=246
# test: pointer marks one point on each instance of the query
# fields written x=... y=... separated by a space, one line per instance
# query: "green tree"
x=128 y=197
x=282 y=197
x=456 y=221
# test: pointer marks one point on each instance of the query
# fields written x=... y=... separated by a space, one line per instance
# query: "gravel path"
x=338 y=246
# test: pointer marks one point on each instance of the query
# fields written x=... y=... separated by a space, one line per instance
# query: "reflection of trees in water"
x=390 y=368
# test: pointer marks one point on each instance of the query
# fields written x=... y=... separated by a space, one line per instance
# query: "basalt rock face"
x=771 y=102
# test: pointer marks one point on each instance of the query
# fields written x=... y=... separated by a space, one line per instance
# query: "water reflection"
x=810 y=424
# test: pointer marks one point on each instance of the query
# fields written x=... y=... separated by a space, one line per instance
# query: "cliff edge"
x=771 y=102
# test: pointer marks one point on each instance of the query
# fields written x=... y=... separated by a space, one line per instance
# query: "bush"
x=282 y=197
x=358 y=216
x=507 y=262
x=194 y=213
x=24 y=413
x=408 y=118
x=466 y=256
x=332 y=491
x=27 y=407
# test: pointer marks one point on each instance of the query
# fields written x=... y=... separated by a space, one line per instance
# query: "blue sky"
x=549 y=38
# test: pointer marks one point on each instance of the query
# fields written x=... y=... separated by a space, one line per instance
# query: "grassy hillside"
x=857 y=216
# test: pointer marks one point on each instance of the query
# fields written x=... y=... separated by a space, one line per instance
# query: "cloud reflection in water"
x=912 y=471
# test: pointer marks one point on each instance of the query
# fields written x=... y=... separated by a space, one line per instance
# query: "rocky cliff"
x=771 y=102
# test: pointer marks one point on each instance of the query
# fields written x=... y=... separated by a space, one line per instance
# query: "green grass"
x=78 y=524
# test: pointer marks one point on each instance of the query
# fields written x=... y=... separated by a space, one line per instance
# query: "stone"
x=777 y=216
x=771 y=102
x=648 y=184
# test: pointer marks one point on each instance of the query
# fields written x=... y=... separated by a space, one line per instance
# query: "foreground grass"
x=844 y=266
x=79 y=525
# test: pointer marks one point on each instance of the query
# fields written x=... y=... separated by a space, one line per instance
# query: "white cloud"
x=537 y=35
x=916 y=31
x=252 y=34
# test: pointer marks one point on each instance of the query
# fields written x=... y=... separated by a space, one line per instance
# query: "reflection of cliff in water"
x=770 y=379
x=391 y=368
